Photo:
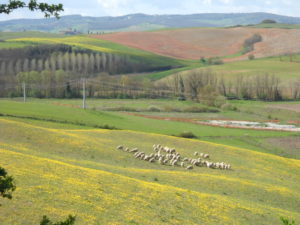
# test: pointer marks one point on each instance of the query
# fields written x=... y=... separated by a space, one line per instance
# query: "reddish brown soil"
x=194 y=43
x=286 y=143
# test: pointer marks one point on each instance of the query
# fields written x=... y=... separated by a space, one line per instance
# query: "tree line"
x=204 y=85
x=197 y=85
x=62 y=57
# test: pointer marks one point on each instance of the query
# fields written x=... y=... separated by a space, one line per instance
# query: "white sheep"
x=134 y=150
x=196 y=153
x=189 y=167
x=206 y=156
x=151 y=160
x=120 y=147
x=174 y=163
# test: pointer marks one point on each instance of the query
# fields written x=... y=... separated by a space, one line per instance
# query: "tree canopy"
x=32 y=5
x=7 y=185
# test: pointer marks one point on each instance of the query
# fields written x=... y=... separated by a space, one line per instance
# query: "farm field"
x=85 y=42
x=194 y=43
x=48 y=160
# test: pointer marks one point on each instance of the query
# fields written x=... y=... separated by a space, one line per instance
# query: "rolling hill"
x=194 y=43
x=76 y=170
x=138 y=22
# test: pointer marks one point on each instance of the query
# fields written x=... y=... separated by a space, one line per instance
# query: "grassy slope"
x=283 y=68
x=62 y=171
x=236 y=137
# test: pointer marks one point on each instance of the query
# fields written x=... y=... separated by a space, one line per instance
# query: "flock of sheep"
x=169 y=157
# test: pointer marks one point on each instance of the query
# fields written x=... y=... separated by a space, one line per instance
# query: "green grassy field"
x=61 y=171
x=245 y=138
x=284 y=69
x=245 y=110
x=276 y=25
x=281 y=67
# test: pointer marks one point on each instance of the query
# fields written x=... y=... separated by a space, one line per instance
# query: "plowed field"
x=194 y=43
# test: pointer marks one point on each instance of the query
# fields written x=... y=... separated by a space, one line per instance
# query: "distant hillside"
x=194 y=43
x=140 y=22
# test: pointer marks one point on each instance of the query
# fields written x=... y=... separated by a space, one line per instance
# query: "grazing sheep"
x=174 y=163
x=201 y=155
x=166 y=161
x=189 y=167
x=120 y=147
x=206 y=156
x=182 y=164
x=133 y=150
x=152 y=160
x=196 y=153
x=209 y=164
x=185 y=159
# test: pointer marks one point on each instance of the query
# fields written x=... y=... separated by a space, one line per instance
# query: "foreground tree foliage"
x=69 y=221
x=286 y=221
x=33 y=5
x=7 y=184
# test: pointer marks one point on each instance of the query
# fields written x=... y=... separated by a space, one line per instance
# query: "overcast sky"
x=123 y=7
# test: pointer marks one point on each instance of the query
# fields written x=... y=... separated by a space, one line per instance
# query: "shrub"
x=249 y=43
x=286 y=221
x=171 y=109
x=229 y=107
x=219 y=101
x=7 y=184
x=153 y=108
x=203 y=60
x=186 y=134
x=251 y=57
x=215 y=61
x=197 y=109
x=121 y=108
x=269 y=21
x=69 y=221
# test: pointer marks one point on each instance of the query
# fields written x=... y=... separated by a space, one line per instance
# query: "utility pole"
x=24 y=91
x=83 y=94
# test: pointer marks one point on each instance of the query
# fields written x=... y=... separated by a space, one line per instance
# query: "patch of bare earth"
x=289 y=145
x=193 y=43
x=291 y=107
x=184 y=43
